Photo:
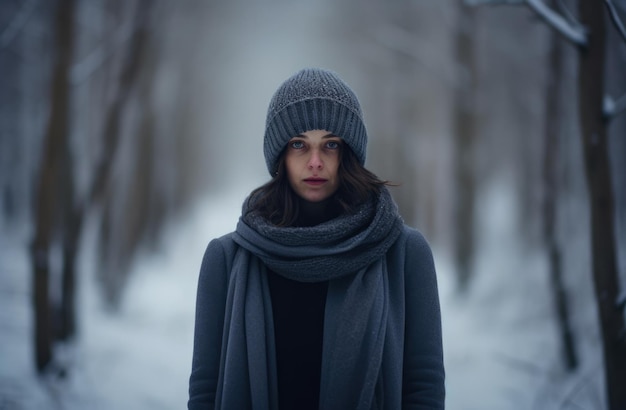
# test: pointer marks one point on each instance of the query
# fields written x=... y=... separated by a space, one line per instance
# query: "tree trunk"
x=550 y=172
x=41 y=310
x=464 y=145
x=71 y=239
x=49 y=183
x=595 y=149
x=113 y=120
x=113 y=270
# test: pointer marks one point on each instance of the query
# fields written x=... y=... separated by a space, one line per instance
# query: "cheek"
x=334 y=166
x=290 y=164
x=290 y=170
x=293 y=170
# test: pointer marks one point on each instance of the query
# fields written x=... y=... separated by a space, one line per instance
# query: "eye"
x=333 y=144
x=296 y=144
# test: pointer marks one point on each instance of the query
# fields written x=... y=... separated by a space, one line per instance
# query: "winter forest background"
x=131 y=132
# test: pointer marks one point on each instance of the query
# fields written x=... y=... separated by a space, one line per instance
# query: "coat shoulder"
x=219 y=255
x=411 y=238
x=226 y=243
x=411 y=254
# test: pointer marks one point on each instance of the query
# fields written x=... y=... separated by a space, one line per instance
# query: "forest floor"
x=500 y=338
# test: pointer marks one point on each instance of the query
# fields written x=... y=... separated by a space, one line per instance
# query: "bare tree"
x=54 y=184
x=58 y=215
x=589 y=35
x=554 y=88
x=102 y=190
x=465 y=136
x=598 y=170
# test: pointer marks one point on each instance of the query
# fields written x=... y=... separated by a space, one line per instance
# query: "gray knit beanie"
x=313 y=99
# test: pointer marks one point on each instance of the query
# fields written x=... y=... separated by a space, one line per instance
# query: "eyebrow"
x=331 y=135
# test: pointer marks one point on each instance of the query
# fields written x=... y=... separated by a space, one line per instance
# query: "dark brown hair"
x=278 y=203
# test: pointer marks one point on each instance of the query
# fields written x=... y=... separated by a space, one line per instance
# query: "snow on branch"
x=615 y=18
x=492 y=2
x=573 y=32
x=571 y=29
x=612 y=108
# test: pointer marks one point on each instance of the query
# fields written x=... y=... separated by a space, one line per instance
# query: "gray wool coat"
x=412 y=367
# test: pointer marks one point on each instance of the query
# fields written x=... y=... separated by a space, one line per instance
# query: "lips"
x=315 y=181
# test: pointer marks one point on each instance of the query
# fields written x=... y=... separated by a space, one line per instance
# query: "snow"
x=137 y=358
x=500 y=339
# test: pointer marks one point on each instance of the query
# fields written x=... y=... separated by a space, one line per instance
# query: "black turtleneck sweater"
x=298 y=310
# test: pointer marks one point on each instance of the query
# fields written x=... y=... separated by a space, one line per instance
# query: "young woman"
x=322 y=298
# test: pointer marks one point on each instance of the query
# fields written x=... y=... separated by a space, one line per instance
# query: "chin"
x=315 y=199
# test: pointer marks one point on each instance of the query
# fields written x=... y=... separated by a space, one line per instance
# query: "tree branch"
x=571 y=30
x=101 y=54
x=612 y=108
x=617 y=22
x=565 y=11
x=575 y=33
x=401 y=41
x=493 y=2
x=592 y=373
x=9 y=33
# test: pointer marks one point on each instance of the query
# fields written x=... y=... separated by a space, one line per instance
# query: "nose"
x=315 y=161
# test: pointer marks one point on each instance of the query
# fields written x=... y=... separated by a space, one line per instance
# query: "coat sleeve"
x=423 y=370
x=209 y=323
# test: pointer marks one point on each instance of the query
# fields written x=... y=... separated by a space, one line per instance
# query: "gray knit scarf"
x=349 y=252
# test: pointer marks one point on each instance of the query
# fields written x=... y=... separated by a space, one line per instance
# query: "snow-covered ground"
x=137 y=359
x=501 y=346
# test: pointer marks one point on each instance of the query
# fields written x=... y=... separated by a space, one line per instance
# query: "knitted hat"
x=313 y=99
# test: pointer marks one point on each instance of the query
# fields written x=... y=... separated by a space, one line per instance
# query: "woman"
x=322 y=297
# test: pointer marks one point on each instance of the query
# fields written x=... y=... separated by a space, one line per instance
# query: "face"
x=312 y=161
